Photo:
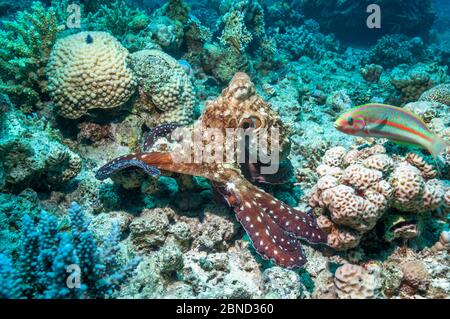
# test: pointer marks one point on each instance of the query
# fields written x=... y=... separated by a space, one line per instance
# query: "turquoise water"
x=115 y=122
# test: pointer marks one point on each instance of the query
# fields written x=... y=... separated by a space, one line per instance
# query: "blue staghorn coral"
x=47 y=253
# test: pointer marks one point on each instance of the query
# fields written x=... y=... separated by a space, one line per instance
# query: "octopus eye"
x=350 y=121
x=251 y=122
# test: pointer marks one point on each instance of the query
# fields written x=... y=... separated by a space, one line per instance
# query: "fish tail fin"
x=437 y=147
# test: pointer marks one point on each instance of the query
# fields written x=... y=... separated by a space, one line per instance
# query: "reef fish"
x=391 y=122
x=274 y=228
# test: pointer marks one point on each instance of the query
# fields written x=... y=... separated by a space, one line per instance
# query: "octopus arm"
x=299 y=224
x=268 y=238
x=124 y=162
x=157 y=132
x=154 y=162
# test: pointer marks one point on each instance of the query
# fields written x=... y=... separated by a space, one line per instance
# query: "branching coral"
x=12 y=209
x=25 y=47
x=32 y=156
x=47 y=252
x=356 y=188
x=243 y=22
x=165 y=90
x=118 y=18
x=307 y=40
x=89 y=70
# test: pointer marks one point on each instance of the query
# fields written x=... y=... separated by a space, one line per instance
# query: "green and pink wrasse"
x=393 y=123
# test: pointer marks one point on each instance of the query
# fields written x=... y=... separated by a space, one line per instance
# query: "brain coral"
x=89 y=70
x=165 y=89
x=357 y=187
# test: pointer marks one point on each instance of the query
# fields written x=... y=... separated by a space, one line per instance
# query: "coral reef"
x=307 y=40
x=411 y=82
x=356 y=282
x=166 y=33
x=165 y=90
x=392 y=50
x=243 y=21
x=12 y=210
x=139 y=77
x=439 y=94
x=26 y=44
x=263 y=217
x=33 y=156
x=357 y=187
x=347 y=18
x=116 y=17
x=47 y=253
x=86 y=71
x=372 y=72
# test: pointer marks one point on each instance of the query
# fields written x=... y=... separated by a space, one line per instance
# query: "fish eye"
x=350 y=121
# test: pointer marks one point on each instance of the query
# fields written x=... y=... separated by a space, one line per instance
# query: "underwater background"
x=84 y=82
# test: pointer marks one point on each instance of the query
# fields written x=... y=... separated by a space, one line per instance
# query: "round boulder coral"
x=165 y=89
x=88 y=70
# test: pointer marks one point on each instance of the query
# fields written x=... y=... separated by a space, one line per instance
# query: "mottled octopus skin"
x=273 y=227
x=159 y=131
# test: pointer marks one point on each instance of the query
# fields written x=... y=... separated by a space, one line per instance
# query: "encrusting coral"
x=166 y=93
x=439 y=94
x=88 y=70
x=357 y=187
x=25 y=48
x=32 y=156
x=356 y=282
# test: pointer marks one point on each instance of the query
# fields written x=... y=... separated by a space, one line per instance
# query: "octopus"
x=275 y=229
